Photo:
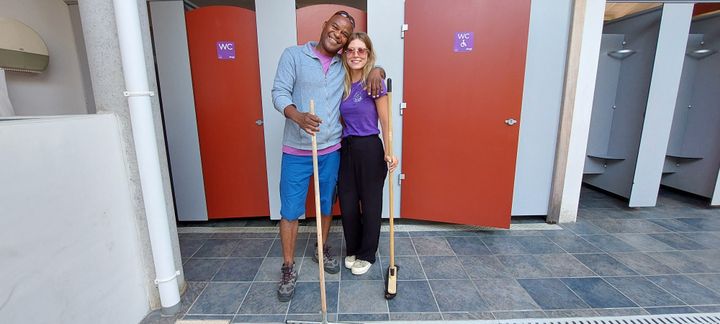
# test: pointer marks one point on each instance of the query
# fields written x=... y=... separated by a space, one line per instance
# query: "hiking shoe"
x=360 y=267
x=349 y=261
x=330 y=263
x=286 y=289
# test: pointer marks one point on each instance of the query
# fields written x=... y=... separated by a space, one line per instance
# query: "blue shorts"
x=295 y=174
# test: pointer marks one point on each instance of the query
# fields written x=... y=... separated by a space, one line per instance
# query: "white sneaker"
x=360 y=267
x=349 y=261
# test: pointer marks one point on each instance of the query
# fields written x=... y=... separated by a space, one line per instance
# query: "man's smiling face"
x=335 y=34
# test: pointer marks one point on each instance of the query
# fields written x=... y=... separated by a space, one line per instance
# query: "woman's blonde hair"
x=363 y=37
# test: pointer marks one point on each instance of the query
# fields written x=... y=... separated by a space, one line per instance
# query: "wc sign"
x=464 y=41
x=226 y=50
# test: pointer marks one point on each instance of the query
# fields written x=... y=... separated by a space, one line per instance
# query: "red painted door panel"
x=227 y=105
x=309 y=26
x=458 y=152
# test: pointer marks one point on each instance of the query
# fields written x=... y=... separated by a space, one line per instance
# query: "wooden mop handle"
x=318 y=216
x=390 y=175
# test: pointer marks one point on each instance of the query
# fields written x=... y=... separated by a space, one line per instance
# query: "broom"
x=391 y=278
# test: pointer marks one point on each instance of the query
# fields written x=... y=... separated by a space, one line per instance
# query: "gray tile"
x=608 y=243
x=220 y=298
x=519 y=314
x=457 y=296
x=270 y=269
x=621 y=311
x=276 y=248
x=709 y=258
x=682 y=262
x=193 y=290
x=677 y=241
x=708 y=309
x=574 y=244
x=189 y=247
x=552 y=294
x=564 y=265
x=334 y=241
x=403 y=246
x=468 y=245
x=711 y=281
x=208 y=318
x=262 y=299
x=524 y=266
x=413 y=296
x=459 y=316
x=571 y=313
x=258 y=319
x=194 y=236
x=643 y=263
x=408 y=268
x=156 y=317
x=670 y=310
x=442 y=267
x=362 y=318
x=486 y=266
x=675 y=225
x=629 y=226
x=686 y=289
x=705 y=224
x=604 y=265
x=538 y=245
x=307 y=298
x=397 y=234
x=505 y=294
x=216 y=248
x=201 y=269
x=644 y=242
x=598 y=293
x=252 y=248
x=238 y=269
x=643 y=292
x=372 y=301
x=411 y=317
x=707 y=239
x=504 y=245
x=432 y=246
x=309 y=271
x=229 y=235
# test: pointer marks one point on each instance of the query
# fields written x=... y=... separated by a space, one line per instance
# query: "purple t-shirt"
x=359 y=112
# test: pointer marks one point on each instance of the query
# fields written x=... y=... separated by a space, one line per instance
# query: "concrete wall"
x=69 y=251
x=61 y=88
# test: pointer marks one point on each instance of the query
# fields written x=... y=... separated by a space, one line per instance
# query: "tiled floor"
x=613 y=261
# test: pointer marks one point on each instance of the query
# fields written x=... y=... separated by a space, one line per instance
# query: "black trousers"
x=360 y=189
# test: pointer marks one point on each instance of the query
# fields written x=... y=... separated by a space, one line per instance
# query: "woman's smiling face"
x=356 y=54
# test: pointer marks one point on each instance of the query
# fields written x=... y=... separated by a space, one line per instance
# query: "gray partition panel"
x=631 y=95
x=178 y=105
x=693 y=156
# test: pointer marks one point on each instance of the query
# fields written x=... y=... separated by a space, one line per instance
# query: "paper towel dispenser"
x=21 y=48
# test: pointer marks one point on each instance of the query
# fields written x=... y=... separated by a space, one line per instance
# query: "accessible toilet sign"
x=225 y=50
x=464 y=41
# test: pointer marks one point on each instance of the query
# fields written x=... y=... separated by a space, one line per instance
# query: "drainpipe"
x=143 y=129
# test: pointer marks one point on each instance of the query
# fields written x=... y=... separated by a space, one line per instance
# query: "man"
x=312 y=71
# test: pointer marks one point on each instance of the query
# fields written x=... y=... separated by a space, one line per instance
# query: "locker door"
x=309 y=25
x=229 y=111
x=462 y=92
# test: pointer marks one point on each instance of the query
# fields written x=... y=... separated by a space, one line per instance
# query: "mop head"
x=391 y=282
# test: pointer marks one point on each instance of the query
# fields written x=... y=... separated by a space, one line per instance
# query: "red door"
x=310 y=20
x=458 y=151
x=227 y=105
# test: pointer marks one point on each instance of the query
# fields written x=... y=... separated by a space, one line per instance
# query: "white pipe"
x=143 y=128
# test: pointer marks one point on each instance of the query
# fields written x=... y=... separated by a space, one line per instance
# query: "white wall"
x=60 y=89
x=69 y=246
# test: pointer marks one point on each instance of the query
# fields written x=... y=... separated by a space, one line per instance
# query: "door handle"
x=259 y=122
x=510 y=121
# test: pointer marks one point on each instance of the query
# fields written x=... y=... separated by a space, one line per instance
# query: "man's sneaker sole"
x=284 y=298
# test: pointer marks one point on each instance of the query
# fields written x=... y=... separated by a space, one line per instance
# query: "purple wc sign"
x=464 y=41
x=226 y=50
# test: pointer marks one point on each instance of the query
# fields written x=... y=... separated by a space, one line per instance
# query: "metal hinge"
x=403 y=105
x=403 y=29
x=401 y=177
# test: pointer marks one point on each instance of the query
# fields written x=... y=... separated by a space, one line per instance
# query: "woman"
x=363 y=160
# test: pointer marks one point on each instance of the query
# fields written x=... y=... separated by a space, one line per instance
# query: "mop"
x=318 y=217
x=391 y=278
